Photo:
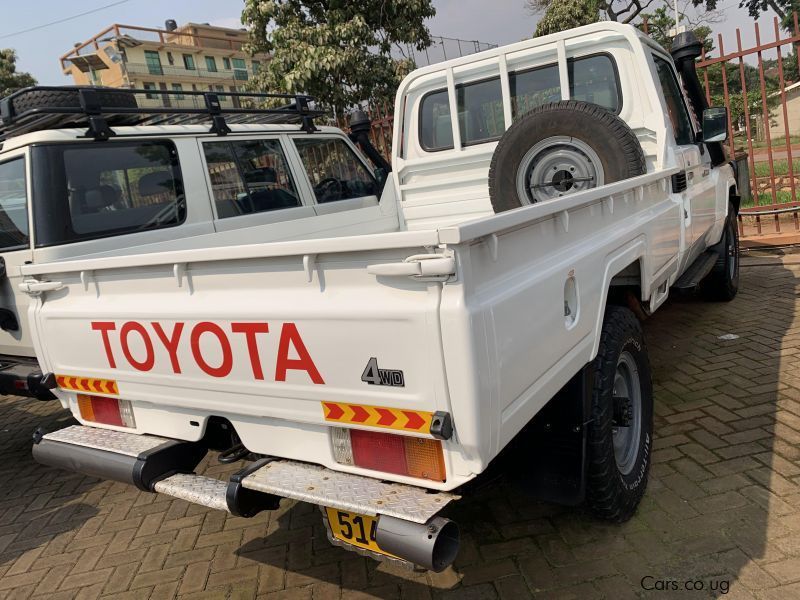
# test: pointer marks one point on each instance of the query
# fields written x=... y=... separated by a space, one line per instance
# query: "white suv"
x=71 y=185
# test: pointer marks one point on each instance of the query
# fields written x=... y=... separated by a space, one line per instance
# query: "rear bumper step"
x=408 y=527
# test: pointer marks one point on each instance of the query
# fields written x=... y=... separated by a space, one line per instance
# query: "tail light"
x=389 y=453
x=108 y=411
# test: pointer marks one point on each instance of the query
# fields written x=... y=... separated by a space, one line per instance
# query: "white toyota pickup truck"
x=543 y=196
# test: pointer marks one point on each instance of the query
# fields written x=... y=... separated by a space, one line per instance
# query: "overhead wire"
x=63 y=20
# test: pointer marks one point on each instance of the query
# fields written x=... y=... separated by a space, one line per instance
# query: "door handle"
x=706 y=172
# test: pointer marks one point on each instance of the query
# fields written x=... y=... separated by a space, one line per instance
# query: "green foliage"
x=782 y=8
x=336 y=50
x=566 y=14
x=10 y=79
x=659 y=23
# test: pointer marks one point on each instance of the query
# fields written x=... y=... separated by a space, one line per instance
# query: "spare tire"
x=70 y=98
x=561 y=148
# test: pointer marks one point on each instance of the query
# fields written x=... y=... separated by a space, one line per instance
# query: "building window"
x=150 y=86
x=239 y=69
x=188 y=62
x=178 y=89
x=220 y=90
x=226 y=63
x=256 y=66
x=153 y=61
x=211 y=64
x=170 y=58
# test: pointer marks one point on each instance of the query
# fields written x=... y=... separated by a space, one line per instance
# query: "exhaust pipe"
x=432 y=545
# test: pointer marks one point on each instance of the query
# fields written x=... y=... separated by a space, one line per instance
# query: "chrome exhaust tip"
x=432 y=545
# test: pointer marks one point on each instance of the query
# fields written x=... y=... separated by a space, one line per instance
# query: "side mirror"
x=715 y=124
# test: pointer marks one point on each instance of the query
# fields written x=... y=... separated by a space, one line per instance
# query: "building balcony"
x=173 y=72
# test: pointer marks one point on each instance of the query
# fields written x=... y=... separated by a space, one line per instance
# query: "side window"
x=249 y=176
x=335 y=171
x=435 y=130
x=87 y=191
x=13 y=205
x=676 y=108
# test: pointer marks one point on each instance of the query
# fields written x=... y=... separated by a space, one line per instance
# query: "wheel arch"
x=630 y=267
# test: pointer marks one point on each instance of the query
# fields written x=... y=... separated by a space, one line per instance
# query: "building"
x=193 y=57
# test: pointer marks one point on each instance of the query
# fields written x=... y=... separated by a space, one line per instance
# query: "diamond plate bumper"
x=365 y=495
x=195 y=489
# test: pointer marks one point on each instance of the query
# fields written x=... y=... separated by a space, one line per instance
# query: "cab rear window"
x=88 y=191
x=480 y=104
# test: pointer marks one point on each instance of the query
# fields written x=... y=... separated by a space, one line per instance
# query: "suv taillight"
x=108 y=411
x=401 y=454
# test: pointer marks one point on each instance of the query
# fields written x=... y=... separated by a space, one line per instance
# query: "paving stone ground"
x=722 y=509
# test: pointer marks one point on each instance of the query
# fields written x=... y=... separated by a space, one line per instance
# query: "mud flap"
x=555 y=443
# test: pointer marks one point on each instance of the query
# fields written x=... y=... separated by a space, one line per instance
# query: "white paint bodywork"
x=487 y=341
x=202 y=222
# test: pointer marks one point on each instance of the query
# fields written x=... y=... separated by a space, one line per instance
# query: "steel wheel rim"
x=628 y=390
x=558 y=166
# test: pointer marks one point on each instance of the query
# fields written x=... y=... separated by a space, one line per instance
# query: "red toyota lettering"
x=250 y=330
x=149 y=359
x=104 y=327
x=170 y=343
x=227 y=357
x=290 y=335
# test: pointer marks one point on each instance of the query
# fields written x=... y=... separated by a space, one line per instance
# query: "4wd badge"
x=375 y=376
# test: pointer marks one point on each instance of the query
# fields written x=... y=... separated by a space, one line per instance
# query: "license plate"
x=354 y=529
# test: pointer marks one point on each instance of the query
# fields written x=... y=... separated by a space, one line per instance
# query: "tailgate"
x=287 y=339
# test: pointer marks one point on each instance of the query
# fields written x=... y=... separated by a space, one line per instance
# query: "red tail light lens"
x=404 y=455
x=379 y=451
x=108 y=411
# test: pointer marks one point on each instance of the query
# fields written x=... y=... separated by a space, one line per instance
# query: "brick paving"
x=722 y=508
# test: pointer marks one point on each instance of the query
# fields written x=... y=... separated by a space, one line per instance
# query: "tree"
x=10 y=79
x=566 y=14
x=660 y=22
x=782 y=8
x=336 y=50
x=626 y=11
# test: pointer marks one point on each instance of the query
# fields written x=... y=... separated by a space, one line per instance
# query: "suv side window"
x=249 y=176
x=86 y=191
x=13 y=205
x=334 y=170
x=676 y=107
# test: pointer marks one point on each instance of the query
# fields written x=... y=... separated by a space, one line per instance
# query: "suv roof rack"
x=99 y=108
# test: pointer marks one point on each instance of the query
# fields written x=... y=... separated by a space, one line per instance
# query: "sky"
x=492 y=21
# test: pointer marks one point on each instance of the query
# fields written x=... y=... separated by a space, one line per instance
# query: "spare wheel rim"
x=557 y=166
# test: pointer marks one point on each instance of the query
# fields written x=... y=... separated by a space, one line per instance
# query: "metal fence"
x=760 y=86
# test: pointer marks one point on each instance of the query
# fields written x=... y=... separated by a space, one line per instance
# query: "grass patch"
x=780 y=166
x=766 y=198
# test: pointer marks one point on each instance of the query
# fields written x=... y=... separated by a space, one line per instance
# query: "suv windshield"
x=88 y=191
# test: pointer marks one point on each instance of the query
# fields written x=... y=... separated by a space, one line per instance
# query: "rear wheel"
x=621 y=429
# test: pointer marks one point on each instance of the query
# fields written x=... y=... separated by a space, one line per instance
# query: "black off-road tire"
x=722 y=284
x=609 y=136
x=611 y=494
x=70 y=99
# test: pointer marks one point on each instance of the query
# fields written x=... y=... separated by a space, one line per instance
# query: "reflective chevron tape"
x=87 y=384
x=378 y=416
